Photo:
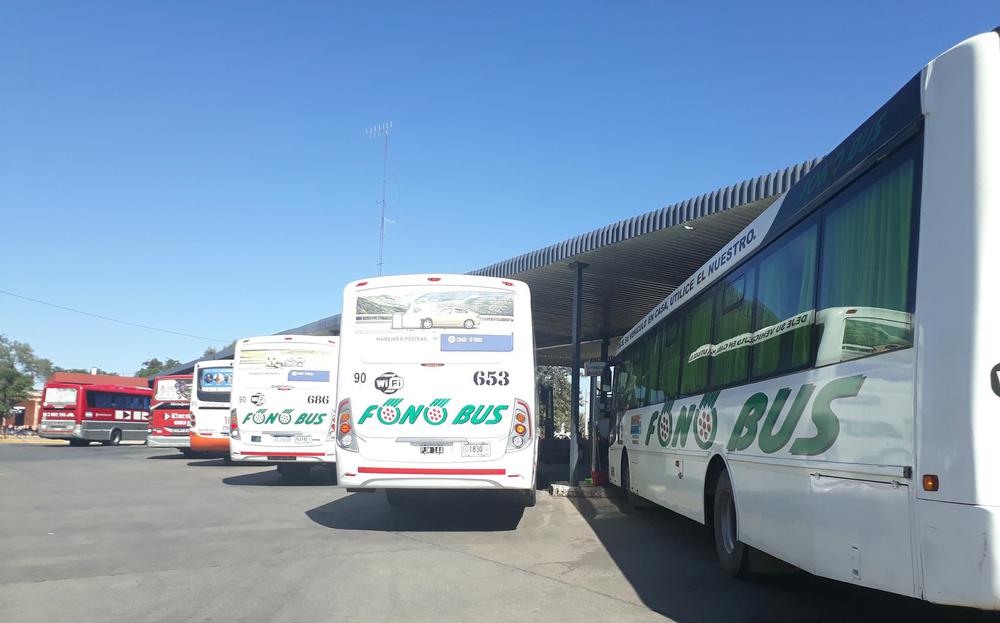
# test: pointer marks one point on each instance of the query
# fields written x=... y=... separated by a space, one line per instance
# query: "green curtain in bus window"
x=655 y=340
x=864 y=270
x=697 y=342
x=733 y=323
x=622 y=380
x=641 y=373
x=786 y=286
x=670 y=360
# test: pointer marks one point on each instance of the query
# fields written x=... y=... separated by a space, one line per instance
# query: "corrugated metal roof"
x=745 y=192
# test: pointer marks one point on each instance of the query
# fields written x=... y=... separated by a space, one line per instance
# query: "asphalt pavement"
x=131 y=533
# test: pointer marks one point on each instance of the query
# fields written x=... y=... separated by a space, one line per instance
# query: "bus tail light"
x=234 y=429
x=520 y=430
x=343 y=427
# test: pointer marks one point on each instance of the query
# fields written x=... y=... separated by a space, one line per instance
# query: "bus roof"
x=130 y=389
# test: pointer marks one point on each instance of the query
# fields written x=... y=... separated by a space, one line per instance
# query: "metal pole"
x=574 y=419
x=593 y=425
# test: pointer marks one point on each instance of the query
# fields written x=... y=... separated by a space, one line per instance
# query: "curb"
x=585 y=491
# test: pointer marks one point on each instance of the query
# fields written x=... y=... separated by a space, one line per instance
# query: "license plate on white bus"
x=476 y=449
x=431 y=449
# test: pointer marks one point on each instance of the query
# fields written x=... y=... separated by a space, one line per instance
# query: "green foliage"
x=20 y=369
x=558 y=379
x=154 y=366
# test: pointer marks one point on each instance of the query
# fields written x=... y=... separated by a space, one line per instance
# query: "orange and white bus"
x=213 y=381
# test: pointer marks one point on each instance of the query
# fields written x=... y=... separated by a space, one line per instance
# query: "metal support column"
x=597 y=412
x=574 y=418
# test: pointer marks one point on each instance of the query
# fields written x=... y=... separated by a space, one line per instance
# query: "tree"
x=212 y=351
x=558 y=379
x=21 y=357
x=81 y=370
x=154 y=366
x=20 y=369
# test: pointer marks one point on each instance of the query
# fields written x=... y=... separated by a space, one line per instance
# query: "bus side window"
x=783 y=313
x=696 y=354
x=865 y=283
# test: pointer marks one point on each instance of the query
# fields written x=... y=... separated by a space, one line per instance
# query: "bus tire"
x=734 y=555
x=426 y=323
x=530 y=497
x=632 y=501
x=187 y=452
x=115 y=438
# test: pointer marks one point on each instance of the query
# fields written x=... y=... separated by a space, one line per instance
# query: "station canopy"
x=631 y=266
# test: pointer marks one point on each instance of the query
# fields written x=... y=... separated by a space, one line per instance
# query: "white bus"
x=437 y=385
x=284 y=389
x=826 y=389
x=213 y=381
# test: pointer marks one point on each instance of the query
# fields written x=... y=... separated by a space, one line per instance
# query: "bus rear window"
x=60 y=395
x=173 y=390
x=404 y=324
x=214 y=384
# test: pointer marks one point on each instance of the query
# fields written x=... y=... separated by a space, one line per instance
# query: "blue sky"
x=202 y=167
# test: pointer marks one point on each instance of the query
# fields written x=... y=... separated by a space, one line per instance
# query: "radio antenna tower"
x=375 y=132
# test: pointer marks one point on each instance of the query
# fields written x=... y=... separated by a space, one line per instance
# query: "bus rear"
x=170 y=413
x=437 y=385
x=213 y=382
x=61 y=413
x=284 y=388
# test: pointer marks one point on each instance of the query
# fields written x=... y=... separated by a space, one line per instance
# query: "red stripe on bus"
x=283 y=453
x=432 y=471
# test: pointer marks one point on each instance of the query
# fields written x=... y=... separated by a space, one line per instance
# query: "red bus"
x=85 y=413
x=170 y=422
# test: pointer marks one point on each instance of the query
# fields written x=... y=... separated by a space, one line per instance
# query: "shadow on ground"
x=167 y=457
x=670 y=561
x=433 y=511
x=218 y=462
x=318 y=476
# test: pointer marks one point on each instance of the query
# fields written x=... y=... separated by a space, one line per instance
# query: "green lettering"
x=826 y=421
x=481 y=415
x=683 y=426
x=369 y=412
x=247 y=417
x=302 y=418
x=464 y=414
x=769 y=441
x=651 y=428
x=411 y=415
x=497 y=414
x=271 y=418
x=745 y=429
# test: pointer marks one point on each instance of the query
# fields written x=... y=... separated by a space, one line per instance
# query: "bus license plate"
x=476 y=449
x=431 y=449
x=303 y=439
x=281 y=438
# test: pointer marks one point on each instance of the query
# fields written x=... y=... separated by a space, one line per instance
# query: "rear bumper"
x=57 y=433
x=281 y=454
x=168 y=441
x=355 y=472
x=215 y=443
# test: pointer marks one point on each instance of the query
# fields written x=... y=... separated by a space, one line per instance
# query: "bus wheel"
x=115 y=439
x=733 y=554
x=633 y=501
x=426 y=323
x=187 y=452
x=530 y=497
